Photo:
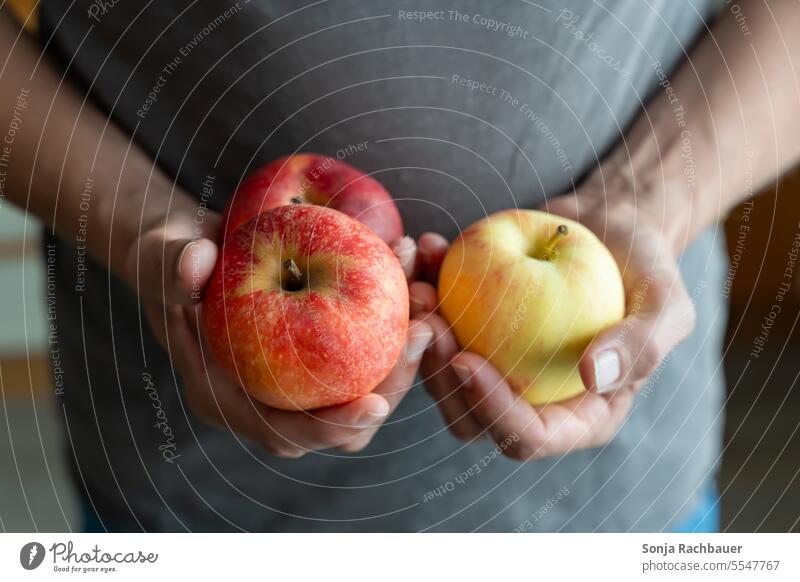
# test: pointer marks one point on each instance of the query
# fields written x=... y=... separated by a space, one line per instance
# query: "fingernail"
x=405 y=246
x=463 y=373
x=417 y=303
x=415 y=346
x=405 y=250
x=606 y=370
x=291 y=454
x=180 y=259
x=379 y=411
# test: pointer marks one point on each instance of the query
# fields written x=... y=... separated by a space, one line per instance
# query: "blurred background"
x=759 y=478
x=761 y=463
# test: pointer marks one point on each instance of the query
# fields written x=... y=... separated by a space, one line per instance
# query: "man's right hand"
x=169 y=265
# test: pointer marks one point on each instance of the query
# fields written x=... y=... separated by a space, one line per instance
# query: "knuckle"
x=648 y=358
x=600 y=439
x=522 y=451
x=663 y=286
x=677 y=305
x=329 y=434
x=686 y=319
x=201 y=409
x=462 y=432
x=282 y=450
x=271 y=448
x=356 y=446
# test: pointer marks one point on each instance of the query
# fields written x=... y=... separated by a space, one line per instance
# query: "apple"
x=528 y=291
x=306 y=308
x=320 y=180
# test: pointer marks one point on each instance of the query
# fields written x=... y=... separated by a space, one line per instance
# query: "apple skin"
x=532 y=318
x=316 y=179
x=328 y=343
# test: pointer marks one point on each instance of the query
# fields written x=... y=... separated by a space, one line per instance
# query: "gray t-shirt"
x=461 y=109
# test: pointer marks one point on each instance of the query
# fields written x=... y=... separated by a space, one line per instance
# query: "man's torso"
x=460 y=109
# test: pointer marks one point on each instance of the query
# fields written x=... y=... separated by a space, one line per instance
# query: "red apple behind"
x=320 y=180
x=306 y=308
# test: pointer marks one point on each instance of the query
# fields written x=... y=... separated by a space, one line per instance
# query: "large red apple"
x=306 y=308
x=320 y=180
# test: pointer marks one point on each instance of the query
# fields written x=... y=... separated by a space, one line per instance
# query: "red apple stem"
x=296 y=200
x=549 y=252
x=295 y=281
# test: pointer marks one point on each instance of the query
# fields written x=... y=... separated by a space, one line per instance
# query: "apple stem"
x=550 y=248
x=295 y=276
x=296 y=200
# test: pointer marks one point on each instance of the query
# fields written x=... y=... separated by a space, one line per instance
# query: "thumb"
x=660 y=316
x=172 y=271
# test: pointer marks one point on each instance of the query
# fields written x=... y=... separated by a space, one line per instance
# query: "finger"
x=289 y=434
x=406 y=252
x=505 y=414
x=294 y=433
x=442 y=383
x=422 y=298
x=660 y=316
x=587 y=420
x=173 y=271
x=211 y=396
x=156 y=317
x=400 y=379
x=432 y=249
x=440 y=380
x=444 y=387
x=185 y=353
x=526 y=432
x=402 y=376
x=444 y=346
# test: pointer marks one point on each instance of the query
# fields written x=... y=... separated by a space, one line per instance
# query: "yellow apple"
x=528 y=291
